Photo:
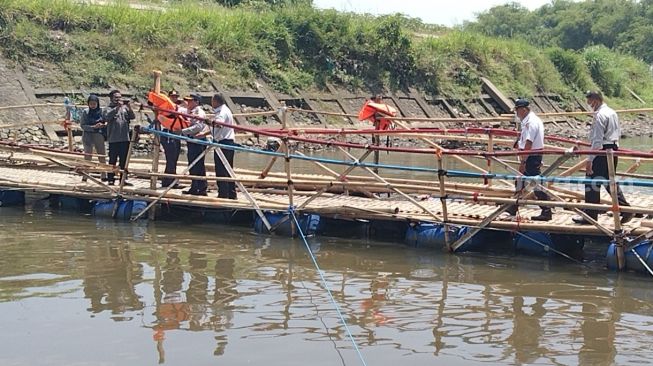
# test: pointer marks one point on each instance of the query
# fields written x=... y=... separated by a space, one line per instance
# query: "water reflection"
x=245 y=298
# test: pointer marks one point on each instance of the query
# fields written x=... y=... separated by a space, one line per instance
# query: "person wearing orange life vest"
x=172 y=146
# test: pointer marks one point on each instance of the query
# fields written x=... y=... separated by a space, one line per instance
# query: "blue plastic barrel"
x=11 y=198
x=483 y=241
x=426 y=235
x=534 y=243
x=125 y=211
x=309 y=223
x=74 y=203
x=644 y=249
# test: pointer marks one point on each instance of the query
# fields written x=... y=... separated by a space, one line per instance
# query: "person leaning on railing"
x=226 y=136
x=531 y=138
x=604 y=135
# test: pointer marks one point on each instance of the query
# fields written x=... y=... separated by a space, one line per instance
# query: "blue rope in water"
x=291 y=212
x=449 y=173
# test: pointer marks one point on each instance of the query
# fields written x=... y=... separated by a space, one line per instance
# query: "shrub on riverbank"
x=72 y=44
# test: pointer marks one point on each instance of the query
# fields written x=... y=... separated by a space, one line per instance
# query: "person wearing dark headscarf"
x=93 y=128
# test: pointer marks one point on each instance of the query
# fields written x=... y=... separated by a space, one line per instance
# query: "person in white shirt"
x=604 y=135
x=530 y=139
x=198 y=129
x=226 y=136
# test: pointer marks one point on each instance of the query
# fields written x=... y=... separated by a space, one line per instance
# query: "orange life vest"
x=168 y=120
x=371 y=112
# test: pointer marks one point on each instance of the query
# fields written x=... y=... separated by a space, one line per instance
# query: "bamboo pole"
x=574 y=207
x=458 y=158
x=156 y=143
x=168 y=188
x=241 y=187
x=618 y=232
x=390 y=186
x=291 y=188
x=84 y=174
x=340 y=178
x=490 y=150
x=266 y=170
x=443 y=201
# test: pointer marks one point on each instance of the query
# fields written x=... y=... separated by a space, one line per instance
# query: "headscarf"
x=94 y=115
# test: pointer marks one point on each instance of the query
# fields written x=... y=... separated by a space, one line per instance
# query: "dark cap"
x=173 y=93
x=194 y=96
x=521 y=102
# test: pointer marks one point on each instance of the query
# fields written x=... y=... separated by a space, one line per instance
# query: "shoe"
x=84 y=179
x=127 y=184
x=111 y=182
x=200 y=194
x=178 y=186
x=190 y=191
x=105 y=179
x=581 y=220
x=626 y=217
x=544 y=216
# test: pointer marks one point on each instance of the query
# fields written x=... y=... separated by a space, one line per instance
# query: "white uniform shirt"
x=605 y=128
x=532 y=129
x=197 y=125
x=223 y=115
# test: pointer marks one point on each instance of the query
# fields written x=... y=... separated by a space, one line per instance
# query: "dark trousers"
x=600 y=171
x=532 y=168
x=225 y=189
x=117 y=151
x=171 y=149
x=199 y=169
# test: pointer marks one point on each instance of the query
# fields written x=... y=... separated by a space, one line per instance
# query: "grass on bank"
x=293 y=47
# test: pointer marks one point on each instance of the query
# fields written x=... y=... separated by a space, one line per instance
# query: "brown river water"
x=77 y=290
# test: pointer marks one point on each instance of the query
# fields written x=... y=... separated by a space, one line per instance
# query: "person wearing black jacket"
x=92 y=125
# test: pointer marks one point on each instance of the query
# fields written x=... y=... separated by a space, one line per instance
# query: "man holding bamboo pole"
x=604 y=135
x=530 y=139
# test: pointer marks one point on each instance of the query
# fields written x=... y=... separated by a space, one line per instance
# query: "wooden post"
x=443 y=201
x=618 y=233
x=376 y=142
x=69 y=132
x=156 y=142
x=286 y=148
x=490 y=149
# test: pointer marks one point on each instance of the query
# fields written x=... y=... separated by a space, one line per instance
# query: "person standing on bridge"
x=197 y=130
x=604 y=135
x=90 y=120
x=172 y=146
x=531 y=139
x=224 y=135
x=117 y=117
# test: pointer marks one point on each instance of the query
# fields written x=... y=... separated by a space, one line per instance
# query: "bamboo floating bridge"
x=467 y=188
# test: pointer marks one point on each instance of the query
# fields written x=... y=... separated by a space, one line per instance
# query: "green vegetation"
x=292 y=46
